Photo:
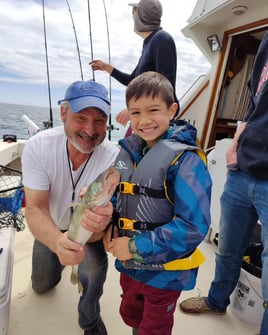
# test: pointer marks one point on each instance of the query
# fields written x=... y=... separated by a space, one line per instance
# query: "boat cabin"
x=228 y=33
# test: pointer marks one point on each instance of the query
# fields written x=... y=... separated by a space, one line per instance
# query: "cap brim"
x=81 y=103
x=134 y=4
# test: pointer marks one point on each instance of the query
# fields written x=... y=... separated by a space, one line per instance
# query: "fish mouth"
x=101 y=191
x=111 y=189
x=111 y=180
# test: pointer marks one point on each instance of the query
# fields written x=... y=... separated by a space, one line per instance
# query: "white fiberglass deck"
x=55 y=313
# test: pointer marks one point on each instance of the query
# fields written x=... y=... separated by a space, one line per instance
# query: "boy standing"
x=163 y=207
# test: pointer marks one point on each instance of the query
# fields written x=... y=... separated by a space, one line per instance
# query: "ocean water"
x=11 y=121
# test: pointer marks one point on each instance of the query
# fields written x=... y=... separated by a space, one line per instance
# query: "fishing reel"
x=48 y=124
x=111 y=127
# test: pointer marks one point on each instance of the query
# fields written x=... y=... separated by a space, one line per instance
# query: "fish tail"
x=74 y=279
x=74 y=275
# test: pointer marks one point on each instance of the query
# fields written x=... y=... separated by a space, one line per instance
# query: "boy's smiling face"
x=150 y=117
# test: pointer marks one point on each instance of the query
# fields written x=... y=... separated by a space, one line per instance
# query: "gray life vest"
x=143 y=201
x=151 y=202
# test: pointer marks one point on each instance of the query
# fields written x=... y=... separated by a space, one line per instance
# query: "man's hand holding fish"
x=94 y=220
x=68 y=251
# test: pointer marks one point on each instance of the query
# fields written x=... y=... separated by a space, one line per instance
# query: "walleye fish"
x=98 y=193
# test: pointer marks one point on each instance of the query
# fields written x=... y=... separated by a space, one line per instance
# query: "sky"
x=25 y=76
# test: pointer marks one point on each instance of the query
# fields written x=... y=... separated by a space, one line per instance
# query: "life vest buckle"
x=126 y=188
x=125 y=223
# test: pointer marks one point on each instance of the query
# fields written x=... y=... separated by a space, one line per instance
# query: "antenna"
x=47 y=124
x=76 y=40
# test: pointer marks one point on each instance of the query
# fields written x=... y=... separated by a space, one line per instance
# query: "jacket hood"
x=183 y=132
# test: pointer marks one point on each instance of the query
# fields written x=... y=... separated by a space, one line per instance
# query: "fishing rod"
x=90 y=36
x=47 y=124
x=110 y=127
x=76 y=40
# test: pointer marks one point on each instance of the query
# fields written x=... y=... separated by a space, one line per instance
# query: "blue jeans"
x=46 y=273
x=243 y=202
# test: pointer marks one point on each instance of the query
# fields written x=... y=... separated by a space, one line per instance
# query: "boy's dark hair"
x=150 y=84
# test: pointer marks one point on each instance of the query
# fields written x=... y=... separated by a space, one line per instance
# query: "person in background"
x=158 y=53
x=56 y=164
x=244 y=199
x=162 y=214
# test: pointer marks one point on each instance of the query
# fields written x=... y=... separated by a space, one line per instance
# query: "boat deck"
x=56 y=311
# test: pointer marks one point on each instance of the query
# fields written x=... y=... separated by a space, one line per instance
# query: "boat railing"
x=197 y=84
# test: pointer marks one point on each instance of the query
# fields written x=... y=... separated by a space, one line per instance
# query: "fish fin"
x=74 y=279
x=80 y=287
x=74 y=276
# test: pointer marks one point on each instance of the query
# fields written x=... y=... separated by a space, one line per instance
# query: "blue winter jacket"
x=188 y=184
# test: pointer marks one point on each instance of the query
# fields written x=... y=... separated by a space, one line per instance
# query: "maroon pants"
x=150 y=310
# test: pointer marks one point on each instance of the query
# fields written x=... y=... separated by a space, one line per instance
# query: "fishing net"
x=11 y=197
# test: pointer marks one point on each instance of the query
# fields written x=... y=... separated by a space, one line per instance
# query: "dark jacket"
x=252 y=153
x=159 y=54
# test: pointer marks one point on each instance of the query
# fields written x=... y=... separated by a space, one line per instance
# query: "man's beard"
x=91 y=146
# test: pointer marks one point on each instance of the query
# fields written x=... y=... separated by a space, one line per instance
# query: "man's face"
x=86 y=129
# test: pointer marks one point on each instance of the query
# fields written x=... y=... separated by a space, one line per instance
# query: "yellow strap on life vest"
x=202 y=155
x=126 y=188
x=191 y=262
x=124 y=223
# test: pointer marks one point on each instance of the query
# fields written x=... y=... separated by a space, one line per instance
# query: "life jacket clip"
x=125 y=223
x=126 y=188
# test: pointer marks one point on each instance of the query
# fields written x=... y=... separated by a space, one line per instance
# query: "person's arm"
x=98 y=64
x=191 y=196
x=44 y=229
x=122 y=77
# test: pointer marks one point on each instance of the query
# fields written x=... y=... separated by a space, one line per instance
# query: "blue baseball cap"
x=85 y=94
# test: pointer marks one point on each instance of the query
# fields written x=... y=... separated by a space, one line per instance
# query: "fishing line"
x=76 y=40
x=90 y=37
x=47 y=124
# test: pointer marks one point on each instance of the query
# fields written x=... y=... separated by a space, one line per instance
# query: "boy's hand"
x=119 y=248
